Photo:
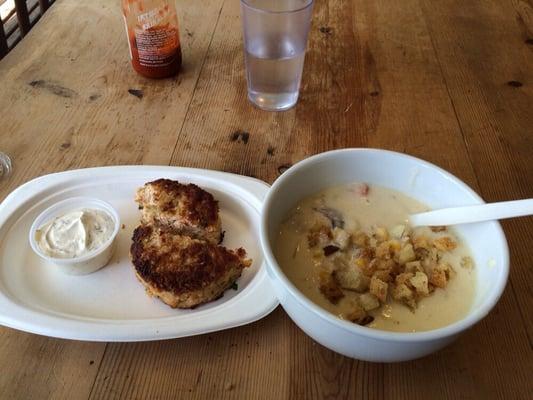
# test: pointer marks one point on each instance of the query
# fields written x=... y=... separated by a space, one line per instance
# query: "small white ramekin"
x=91 y=261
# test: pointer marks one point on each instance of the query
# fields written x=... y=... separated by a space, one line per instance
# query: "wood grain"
x=372 y=78
x=36 y=367
x=74 y=100
x=447 y=81
x=65 y=104
x=491 y=87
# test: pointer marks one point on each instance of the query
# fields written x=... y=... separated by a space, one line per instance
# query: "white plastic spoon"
x=477 y=213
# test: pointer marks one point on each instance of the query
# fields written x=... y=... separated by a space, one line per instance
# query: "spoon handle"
x=477 y=213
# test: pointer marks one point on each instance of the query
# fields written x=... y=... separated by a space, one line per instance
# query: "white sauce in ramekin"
x=75 y=233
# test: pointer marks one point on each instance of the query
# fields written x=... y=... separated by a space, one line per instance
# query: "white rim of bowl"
x=81 y=201
x=446 y=331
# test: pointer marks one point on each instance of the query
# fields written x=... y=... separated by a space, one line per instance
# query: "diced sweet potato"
x=379 y=289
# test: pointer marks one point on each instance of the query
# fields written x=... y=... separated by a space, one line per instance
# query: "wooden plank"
x=371 y=79
x=491 y=86
x=36 y=367
x=343 y=102
x=65 y=104
x=67 y=91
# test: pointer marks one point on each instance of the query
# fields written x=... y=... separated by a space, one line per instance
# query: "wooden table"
x=449 y=81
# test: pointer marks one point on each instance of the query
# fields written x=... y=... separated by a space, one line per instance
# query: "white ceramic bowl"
x=416 y=178
x=89 y=262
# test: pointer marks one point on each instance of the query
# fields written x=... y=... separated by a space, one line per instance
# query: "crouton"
x=444 y=243
x=356 y=314
x=440 y=274
x=329 y=287
x=404 y=294
x=360 y=239
x=383 y=251
x=379 y=289
x=467 y=263
x=413 y=266
x=420 y=282
x=368 y=301
x=367 y=267
x=397 y=231
x=381 y=233
x=403 y=278
x=384 y=275
x=352 y=278
x=319 y=235
x=421 y=242
x=406 y=254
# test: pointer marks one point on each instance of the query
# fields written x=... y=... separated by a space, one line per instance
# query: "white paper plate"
x=110 y=304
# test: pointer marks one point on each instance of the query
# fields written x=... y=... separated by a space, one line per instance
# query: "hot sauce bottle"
x=152 y=28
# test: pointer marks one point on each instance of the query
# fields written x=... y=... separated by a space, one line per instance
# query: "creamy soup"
x=350 y=250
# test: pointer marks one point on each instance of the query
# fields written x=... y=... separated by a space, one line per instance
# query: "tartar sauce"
x=75 y=233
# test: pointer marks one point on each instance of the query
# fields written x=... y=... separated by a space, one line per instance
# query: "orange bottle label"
x=157 y=46
x=152 y=28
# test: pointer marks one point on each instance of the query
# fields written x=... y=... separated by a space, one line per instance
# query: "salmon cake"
x=181 y=270
x=184 y=208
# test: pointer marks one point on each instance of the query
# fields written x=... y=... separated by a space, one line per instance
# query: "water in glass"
x=274 y=71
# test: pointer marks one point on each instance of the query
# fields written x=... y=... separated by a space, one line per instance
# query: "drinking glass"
x=275 y=37
x=5 y=165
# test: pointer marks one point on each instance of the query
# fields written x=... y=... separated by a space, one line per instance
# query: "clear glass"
x=275 y=36
x=5 y=165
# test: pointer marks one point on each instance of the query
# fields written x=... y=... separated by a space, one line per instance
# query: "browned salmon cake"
x=184 y=208
x=181 y=270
